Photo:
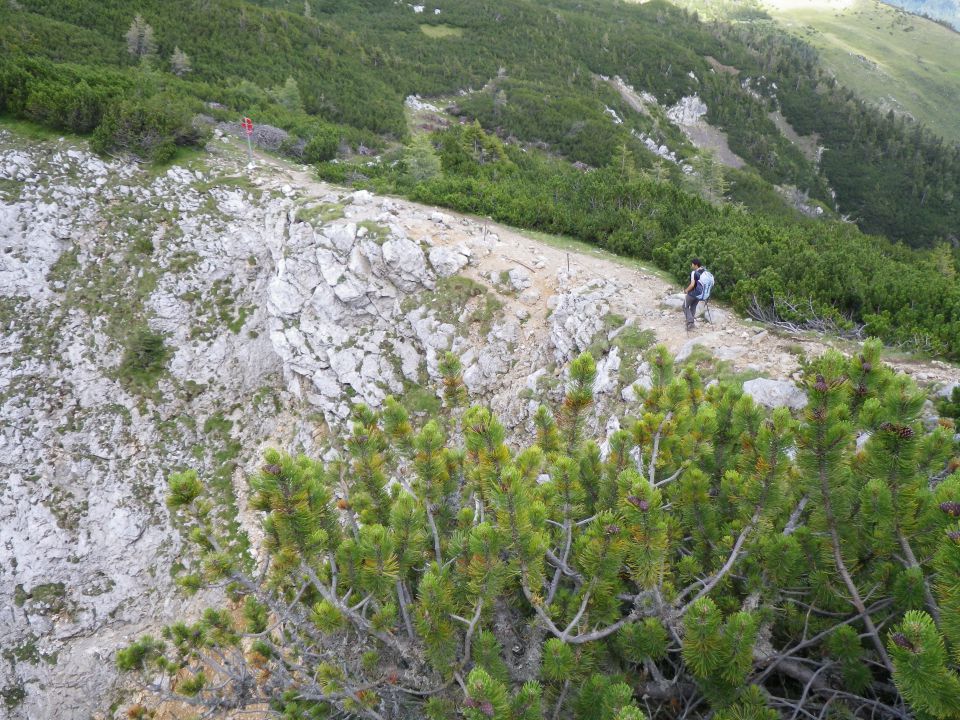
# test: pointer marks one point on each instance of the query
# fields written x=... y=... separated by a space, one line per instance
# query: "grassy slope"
x=886 y=55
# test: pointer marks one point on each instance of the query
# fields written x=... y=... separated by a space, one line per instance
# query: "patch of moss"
x=448 y=299
x=183 y=260
x=10 y=189
x=13 y=696
x=375 y=231
x=487 y=313
x=66 y=509
x=419 y=400
x=320 y=214
x=144 y=359
x=51 y=598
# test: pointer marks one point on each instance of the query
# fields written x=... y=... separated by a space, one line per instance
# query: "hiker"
x=701 y=283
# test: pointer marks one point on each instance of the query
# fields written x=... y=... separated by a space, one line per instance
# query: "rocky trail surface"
x=282 y=301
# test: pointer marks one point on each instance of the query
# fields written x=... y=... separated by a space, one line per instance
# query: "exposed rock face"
x=578 y=316
x=86 y=548
x=775 y=393
x=283 y=303
x=687 y=111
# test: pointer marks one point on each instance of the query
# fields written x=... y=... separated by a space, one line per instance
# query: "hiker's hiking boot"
x=689 y=326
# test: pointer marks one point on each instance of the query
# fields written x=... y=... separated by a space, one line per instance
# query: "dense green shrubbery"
x=353 y=62
x=152 y=128
x=792 y=270
x=739 y=563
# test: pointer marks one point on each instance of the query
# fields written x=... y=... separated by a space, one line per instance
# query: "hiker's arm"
x=693 y=284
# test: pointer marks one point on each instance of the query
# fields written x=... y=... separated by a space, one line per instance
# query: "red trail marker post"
x=248 y=127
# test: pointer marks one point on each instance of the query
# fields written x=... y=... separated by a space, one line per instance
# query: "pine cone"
x=951 y=508
x=954 y=535
x=821 y=384
x=612 y=529
x=272 y=469
x=866 y=365
x=901 y=640
x=638 y=503
x=486 y=707
x=904 y=432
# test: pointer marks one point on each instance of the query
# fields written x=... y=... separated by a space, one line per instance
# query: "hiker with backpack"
x=701 y=284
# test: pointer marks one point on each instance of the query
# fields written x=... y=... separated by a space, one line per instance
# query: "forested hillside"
x=335 y=74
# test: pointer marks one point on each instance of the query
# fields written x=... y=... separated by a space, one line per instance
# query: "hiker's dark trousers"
x=690 y=307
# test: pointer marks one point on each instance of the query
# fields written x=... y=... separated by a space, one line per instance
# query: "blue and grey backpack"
x=706 y=285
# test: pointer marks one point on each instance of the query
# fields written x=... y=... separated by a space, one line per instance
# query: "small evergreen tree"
x=140 y=41
x=180 y=63
x=736 y=562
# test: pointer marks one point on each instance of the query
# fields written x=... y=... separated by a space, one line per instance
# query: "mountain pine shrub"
x=709 y=559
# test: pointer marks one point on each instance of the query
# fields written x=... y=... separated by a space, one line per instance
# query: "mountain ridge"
x=263 y=367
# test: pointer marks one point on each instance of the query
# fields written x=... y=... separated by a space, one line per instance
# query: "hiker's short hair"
x=697 y=262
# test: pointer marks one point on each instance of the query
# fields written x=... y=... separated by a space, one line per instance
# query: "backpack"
x=706 y=285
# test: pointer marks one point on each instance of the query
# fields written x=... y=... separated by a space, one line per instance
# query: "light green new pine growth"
x=564 y=492
x=661 y=367
x=548 y=435
x=140 y=654
x=947 y=562
x=530 y=463
x=558 y=661
x=486 y=452
x=487 y=653
x=602 y=697
x=618 y=696
x=527 y=704
x=256 y=615
x=326 y=617
x=439 y=709
x=878 y=516
x=191 y=686
x=740 y=635
x=649 y=538
x=512 y=500
x=703 y=640
x=432 y=618
x=868 y=374
x=451 y=371
x=908 y=589
x=591 y=472
x=408 y=533
x=184 y=489
x=618 y=460
x=579 y=397
x=487 y=698
x=379 y=566
x=430 y=465
x=486 y=571
x=630 y=712
x=396 y=424
x=600 y=551
x=640 y=641
x=921 y=667
x=385 y=619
